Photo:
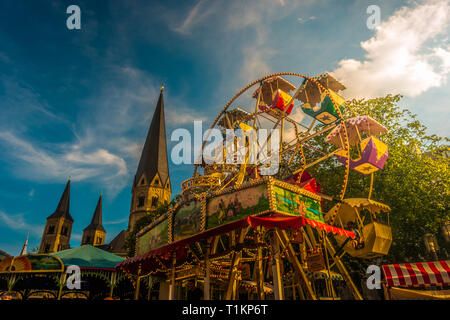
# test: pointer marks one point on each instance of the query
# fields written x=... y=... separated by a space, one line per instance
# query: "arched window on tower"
x=154 y=201
x=141 y=201
x=51 y=230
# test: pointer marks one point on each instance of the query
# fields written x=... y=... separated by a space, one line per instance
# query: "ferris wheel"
x=294 y=108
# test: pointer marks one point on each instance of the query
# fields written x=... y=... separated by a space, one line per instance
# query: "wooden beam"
x=232 y=275
x=150 y=285
x=172 y=278
x=276 y=274
x=237 y=255
x=284 y=239
x=206 y=282
x=138 y=284
x=62 y=282
x=343 y=270
x=214 y=243
x=260 y=272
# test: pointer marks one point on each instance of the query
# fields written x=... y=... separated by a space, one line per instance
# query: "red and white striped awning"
x=418 y=274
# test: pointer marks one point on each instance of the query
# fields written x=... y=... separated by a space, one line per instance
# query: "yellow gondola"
x=376 y=236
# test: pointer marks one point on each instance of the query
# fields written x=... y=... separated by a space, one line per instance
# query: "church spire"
x=25 y=247
x=57 y=231
x=154 y=154
x=62 y=211
x=151 y=186
x=96 y=222
x=94 y=233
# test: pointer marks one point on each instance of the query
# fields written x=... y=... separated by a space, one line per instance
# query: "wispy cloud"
x=17 y=222
x=104 y=144
x=409 y=54
x=119 y=221
x=303 y=20
x=25 y=102
x=37 y=163
x=195 y=16
x=76 y=236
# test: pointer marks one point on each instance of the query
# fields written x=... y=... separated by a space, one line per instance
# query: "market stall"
x=420 y=280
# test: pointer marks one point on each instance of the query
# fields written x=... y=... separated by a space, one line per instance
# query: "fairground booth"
x=417 y=281
x=45 y=276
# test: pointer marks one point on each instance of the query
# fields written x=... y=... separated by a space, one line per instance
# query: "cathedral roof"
x=62 y=211
x=154 y=154
x=118 y=244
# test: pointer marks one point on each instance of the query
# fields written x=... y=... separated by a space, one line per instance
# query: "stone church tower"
x=151 y=186
x=94 y=233
x=57 y=231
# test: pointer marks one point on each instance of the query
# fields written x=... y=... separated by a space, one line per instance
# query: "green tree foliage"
x=414 y=181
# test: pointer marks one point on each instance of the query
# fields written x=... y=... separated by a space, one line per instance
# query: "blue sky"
x=79 y=102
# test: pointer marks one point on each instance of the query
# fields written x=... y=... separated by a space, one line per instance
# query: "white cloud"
x=303 y=20
x=408 y=54
x=61 y=162
x=98 y=157
x=109 y=132
x=17 y=222
x=195 y=17
x=119 y=221
x=76 y=236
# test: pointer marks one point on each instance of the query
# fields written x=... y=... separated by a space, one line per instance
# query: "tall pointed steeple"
x=151 y=185
x=96 y=222
x=94 y=233
x=154 y=154
x=63 y=206
x=25 y=246
x=57 y=231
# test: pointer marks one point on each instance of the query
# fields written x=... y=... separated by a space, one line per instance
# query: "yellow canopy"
x=348 y=209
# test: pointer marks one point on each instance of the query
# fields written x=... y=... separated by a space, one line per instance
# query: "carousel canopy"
x=347 y=210
x=271 y=85
x=363 y=125
x=3 y=255
x=311 y=93
x=88 y=256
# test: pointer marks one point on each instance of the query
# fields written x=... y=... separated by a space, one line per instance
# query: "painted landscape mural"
x=295 y=204
x=187 y=220
x=154 y=238
x=236 y=205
